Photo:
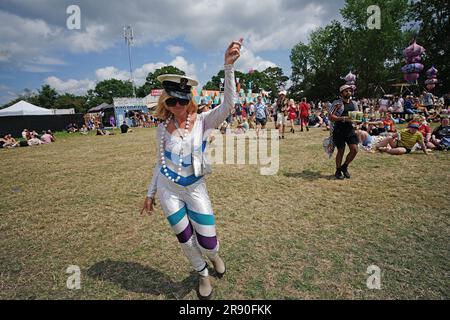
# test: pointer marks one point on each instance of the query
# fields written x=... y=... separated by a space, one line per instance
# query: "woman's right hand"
x=148 y=205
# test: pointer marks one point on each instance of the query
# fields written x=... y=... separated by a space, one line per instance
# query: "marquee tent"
x=23 y=108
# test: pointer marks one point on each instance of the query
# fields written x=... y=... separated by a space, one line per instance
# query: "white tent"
x=23 y=108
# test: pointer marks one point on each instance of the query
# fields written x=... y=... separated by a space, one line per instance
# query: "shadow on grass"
x=141 y=279
x=308 y=175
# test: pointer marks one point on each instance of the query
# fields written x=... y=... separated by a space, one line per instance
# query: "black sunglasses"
x=172 y=102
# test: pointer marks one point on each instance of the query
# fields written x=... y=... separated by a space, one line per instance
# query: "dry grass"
x=297 y=235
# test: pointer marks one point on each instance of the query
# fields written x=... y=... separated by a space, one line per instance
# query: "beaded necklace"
x=162 y=150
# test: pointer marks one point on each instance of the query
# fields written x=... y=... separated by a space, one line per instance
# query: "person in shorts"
x=343 y=131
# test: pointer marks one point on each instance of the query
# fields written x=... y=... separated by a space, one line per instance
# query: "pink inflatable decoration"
x=413 y=55
x=413 y=67
x=432 y=78
x=350 y=79
x=432 y=72
x=431 y=81
x=413 y=50
x=411 y=77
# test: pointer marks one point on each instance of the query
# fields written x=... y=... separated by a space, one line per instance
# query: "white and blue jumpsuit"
x=185 y=202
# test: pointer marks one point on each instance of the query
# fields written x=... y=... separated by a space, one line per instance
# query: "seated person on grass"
x=404 y=141
x=124 y=128
x=425 y=130
x=441 y=135
x=10 y=142
x=388 y=123
x=34 y=141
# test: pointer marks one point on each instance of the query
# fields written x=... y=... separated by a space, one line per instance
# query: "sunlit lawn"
x=297 y=235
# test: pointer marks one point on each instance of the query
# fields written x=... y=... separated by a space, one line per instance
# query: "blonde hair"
x=163 y=112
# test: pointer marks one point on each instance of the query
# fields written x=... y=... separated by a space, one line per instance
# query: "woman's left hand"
x=233 y=52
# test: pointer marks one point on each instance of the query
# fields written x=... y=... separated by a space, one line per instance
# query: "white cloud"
x=175 y=50
x=111 y=73
x=48 y=61
x=5 y=55
x=248 y=61
x=77 y=87
x=38 y=27
x=141 y=73
x=34 y=69
x=80 y=87
x=94 y=39
x=182 y=64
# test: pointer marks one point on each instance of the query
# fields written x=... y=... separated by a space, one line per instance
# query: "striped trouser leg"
x=175 y=211
x=201 y=217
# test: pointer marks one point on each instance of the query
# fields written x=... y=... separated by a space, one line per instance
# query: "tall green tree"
x=374 y=55
x=47 y=97
x=317 y=68
x=431 y=22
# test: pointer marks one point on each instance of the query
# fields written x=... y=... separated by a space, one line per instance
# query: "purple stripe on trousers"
x=186 y=234
x=209 y=243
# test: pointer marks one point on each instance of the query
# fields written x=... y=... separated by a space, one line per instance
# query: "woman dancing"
x=178 y=175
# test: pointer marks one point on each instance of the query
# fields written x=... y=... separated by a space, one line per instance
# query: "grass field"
x=297 y=235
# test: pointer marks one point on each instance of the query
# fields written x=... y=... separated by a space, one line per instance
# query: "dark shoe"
x=307 y=129
x=339 y=174
x=344 y=170
x=301 y=130
x=293 y=130
x=282 y=137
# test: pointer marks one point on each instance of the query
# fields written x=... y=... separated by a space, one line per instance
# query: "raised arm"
x=213 y=118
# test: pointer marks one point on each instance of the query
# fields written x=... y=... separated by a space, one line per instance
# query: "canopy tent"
x=104 y=106
x=23 y=108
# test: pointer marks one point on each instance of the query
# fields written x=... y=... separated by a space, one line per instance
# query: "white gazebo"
x=23 y=108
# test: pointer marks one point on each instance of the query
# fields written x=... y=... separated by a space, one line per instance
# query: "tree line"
x=374 y=55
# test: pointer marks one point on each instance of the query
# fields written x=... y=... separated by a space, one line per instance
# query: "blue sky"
x=36 y=47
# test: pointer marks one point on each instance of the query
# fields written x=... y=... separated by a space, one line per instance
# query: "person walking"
x=304 y=114
x=343 y=131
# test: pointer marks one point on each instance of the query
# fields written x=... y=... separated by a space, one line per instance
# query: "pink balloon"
x=431 y=81
x=432 y=72
x=430 y=86
x=414 y=59
x=413 y=50
x=411 y=77
x=413 y=67
x=350 y=77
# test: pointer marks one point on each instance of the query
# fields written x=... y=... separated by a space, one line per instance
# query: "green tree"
x=334 y=50
x=92 y=100
x=431 y=21
x=317 y=68
x=107 y=89
x=47 y=97
x=214 y=83
x=269 y=79
x=376 y=54
x=151 y=81
x=68 y=101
